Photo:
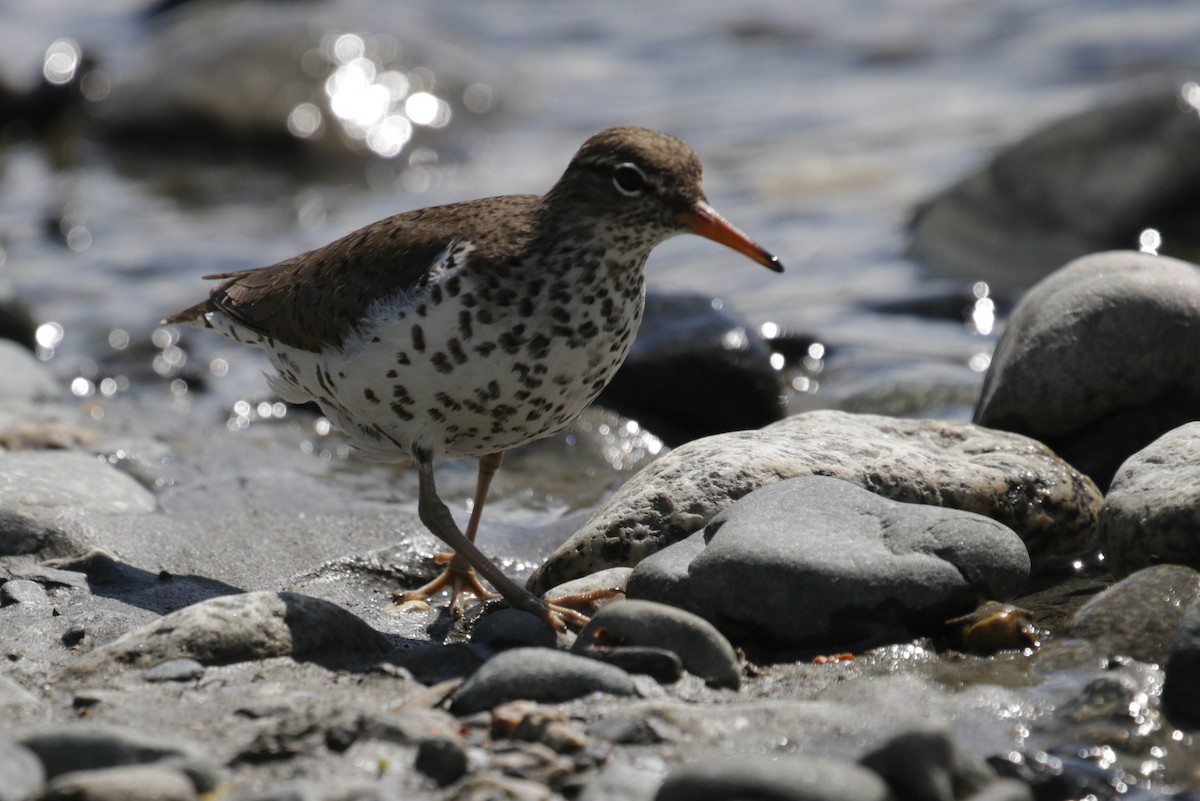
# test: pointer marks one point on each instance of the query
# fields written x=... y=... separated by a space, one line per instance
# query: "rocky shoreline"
x=790 y=637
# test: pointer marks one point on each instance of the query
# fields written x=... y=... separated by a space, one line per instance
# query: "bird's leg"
x=436 y=516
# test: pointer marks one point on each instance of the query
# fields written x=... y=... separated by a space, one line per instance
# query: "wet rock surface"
x=1013 y=479
x=816 y=560
x=1100 y=359
x=1150 y=511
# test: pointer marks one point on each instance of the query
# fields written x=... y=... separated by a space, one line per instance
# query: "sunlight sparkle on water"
x=61 y=61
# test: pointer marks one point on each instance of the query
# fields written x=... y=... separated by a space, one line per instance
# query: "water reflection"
x=61 y=61
x=370 y=102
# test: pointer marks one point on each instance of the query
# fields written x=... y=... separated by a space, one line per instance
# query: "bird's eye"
x=628 y=179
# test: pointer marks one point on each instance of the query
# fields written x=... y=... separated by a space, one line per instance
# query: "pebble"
x=660 y=664
x=23 y=591
x=21 y=773
x=1181 y=690
x=786 y=778
x=442 y=759
x=513 y=628
x=74 y=747
x=817 y=561
x=928 y=764
x=702 y=649
x=175 y=670
x=1150 y=512
x=1136 y=617
x=1099 y=359
x=128 y=783
x=1008 y=477
x=537 y=674
x=620 y=781
x=239 y=628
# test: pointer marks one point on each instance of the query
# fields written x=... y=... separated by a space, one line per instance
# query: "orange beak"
x=704 y=220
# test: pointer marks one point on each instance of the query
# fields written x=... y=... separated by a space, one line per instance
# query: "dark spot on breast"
x=464 y=324
x=435 y=414
x=435 y=294
x=485 y=317
x=588 y=329
x=370 y=395
x=539 y=346
x=560 y=314
x=401 y=412
x=525 y=308
x=441 y=363
x=454 y=348
x=448 y=402
x=453 y=285
x=485 y=349
x=418 y=339
x=422 y=310
x=401 y=358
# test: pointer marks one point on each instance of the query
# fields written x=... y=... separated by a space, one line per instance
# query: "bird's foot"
x=568 y=611
x=461 y=580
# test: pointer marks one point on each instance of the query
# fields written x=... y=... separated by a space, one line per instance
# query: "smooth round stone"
x=927 y=763
x=1181 y=687
x=537 y=674
x=1150 y=512
x=1005 y=476
x=442 y=759
x=1099 y=359
x=21 y=773
x=129 y=783
x=23 y=591
x=786 y=778
x=240 y=628
x=513 y=628
x=702 y=649
x=1136 y=617
x=76 y=747
x=175 y=670
x=660 y=664
x=813 y=560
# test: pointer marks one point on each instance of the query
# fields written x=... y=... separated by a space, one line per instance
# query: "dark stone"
x=1181 y=689
x=762 y=778
x=695 y=369
x=442 y=759
x=537 y=674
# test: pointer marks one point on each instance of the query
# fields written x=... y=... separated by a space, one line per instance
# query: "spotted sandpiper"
x=471 y=328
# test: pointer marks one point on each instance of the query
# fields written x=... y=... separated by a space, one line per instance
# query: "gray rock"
x=1150 y=512
x=21 y=774
x=1136 y=617
x=660 y=664
x=443 y=759
x=129 y=783
x=175 y=670
x=512 y=628
x=93 y=747
x=38 y=488
x=1181 y=690
x=1099 y=359
x=25 y=378
x=818 y=561
x=620 y=781
x=928 y=764
x=1008 y=477
x=239 y=628
x=537 y=674
x=1088 y=182
x=702 y=649
x=23 y=591
x=764 y=778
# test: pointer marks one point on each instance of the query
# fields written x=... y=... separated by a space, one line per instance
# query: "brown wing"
x=318 y=298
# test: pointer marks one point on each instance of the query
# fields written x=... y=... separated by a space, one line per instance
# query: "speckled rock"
x=1007 y=477
x=1099 y=359
x=1150 y=513
x=1136 y=617
x=786 y=778
x=702 y=649
x=537 y=674
x=817 y=561
x=238 y=628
